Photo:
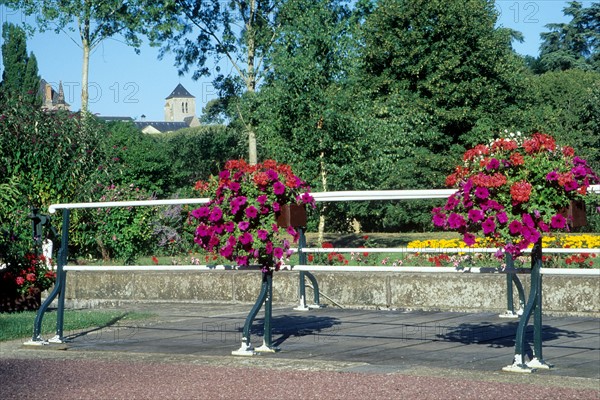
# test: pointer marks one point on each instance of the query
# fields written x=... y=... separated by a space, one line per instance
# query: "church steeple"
x=180 y=105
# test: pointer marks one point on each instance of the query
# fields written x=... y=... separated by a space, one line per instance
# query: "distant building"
x=51 y=99
x=180 y=113
x=180 y=105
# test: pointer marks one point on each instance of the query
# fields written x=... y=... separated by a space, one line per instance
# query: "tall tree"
x=303 y=105
x=446 y=58
x=241 y=32
x=94 y=21
x=20 y=75
x=575 y=44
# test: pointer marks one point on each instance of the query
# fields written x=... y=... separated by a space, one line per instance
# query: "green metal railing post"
x=302 y=278
x=512 y=278
x=264 y=297
x=58 y=290
x=533 y=306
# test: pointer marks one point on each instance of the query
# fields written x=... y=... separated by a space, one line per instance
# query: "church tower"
x=180 y=105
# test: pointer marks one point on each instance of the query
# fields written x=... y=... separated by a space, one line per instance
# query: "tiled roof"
x=161 y=126
x=180 y=92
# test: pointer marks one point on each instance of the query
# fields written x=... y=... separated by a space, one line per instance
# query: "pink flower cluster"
x=513 y=191
x=239 y=222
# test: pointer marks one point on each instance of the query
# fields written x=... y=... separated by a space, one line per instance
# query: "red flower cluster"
x=520 y=191
x=489 y=181
x=539 y=142
x=582 y=260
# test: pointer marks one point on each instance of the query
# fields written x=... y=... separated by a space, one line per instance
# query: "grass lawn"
x=20 y=325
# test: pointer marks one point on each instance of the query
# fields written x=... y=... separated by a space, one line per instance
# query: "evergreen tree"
x=574 y=44
x=20 y=76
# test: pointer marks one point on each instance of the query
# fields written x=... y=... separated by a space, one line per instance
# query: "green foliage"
x=20 y=75
x=132 y=157
x=123 y=233
x=573 y=45
x=196 y=153
x=565 y=103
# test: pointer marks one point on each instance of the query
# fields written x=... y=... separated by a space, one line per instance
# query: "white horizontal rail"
x=137 y=203
x=355 y=195
x=319 y=197
x=553 y=250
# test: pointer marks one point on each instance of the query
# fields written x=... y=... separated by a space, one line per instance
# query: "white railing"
x=332 y=197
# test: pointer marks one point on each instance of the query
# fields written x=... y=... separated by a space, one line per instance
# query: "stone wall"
x=470 y=292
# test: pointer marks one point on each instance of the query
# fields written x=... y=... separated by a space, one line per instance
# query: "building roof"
x=114 y=119
x=180 y=92
x=160 y=126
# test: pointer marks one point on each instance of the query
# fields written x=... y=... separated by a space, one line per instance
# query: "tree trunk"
x=251 y=81
x=322 y=216
x=84 y=77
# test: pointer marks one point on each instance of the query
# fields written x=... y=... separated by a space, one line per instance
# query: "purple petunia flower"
x=269 y=248
x=278 y=188
x=439 y=220
x=493 y=164
x=482 y=193
x=451 y=203
x=262 y=199
x=552 y=176
x=528 y=220
x=571 y=185
x=515 y=227
x=229 y=226
x=251 y=212
x=201 y=212
x=488 y=226
x=530 y=234
x=475 y=215
x=276 y=206
x=558 y=222
x=234 y=186
x=215 y=214
x=277 y=252
x=226 y=251
x=246 y=238
x=262 y=234
x=501 y=217
x=243 y=225
x=469 y=239
x=272 y=175
x=456 y=221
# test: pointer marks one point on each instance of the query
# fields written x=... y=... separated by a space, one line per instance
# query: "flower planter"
x=575 y=214
x=15 y=302
x=291 y=215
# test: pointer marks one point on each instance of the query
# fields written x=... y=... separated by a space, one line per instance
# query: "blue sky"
x=123 y=83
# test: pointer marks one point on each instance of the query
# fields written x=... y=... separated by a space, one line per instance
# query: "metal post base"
x=36 y=342
x=519 y=367
x=536 y=363
x=56 y=339
x=267 y=349
x=302 y=306
x=511 y=314
x=246 y=350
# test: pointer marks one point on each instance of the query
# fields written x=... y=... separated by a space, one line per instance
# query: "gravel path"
x=101 y=379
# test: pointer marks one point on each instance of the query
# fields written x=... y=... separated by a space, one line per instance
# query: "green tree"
x=446 y=59
x=20 y=75
x=95 y=21
x=303 y=117
x=240 y=32
x=575 y=44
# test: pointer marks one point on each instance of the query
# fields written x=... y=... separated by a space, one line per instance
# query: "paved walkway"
x=467 y=349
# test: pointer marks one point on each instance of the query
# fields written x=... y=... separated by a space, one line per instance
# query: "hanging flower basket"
x=575 y=214
x=514 y=190
x=293 y=215
x=249 y=204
